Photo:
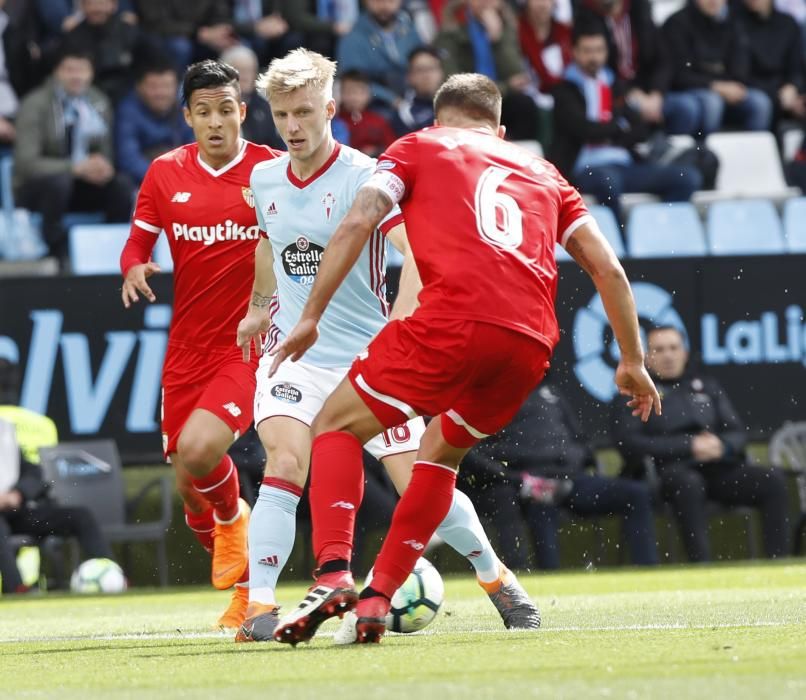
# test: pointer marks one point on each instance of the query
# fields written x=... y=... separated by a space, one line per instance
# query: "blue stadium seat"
x=609 y=227
x=745 y=227
x=665 y=231
x=95 y=248
x=795 y=224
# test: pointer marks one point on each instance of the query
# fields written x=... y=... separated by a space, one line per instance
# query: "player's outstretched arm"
x=257 y=319
x=369 y=208
x=593 y=253
x=410 y=284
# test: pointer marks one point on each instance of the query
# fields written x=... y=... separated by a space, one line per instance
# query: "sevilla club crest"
x=248 y=196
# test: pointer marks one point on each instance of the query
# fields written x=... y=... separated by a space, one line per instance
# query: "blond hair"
x=298 y=69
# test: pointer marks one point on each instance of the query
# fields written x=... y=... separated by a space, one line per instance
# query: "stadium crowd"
x=88 y=88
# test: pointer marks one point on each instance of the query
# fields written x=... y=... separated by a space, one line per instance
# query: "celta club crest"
x=329 y=201
x=248 y=196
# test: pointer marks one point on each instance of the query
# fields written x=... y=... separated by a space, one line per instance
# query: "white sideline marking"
x=177 y=636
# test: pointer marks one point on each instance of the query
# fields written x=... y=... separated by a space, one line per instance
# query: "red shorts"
x=475 y=374
x=219 y=381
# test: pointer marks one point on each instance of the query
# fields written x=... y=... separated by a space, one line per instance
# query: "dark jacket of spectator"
x=636 y=53
x=454 y=40
x=365 y=49
x=42 y=147
x=704 y=49
x=691 y=405
x=413 y=113
x=21 y=45
x=258 y=126
x=114 y=47
x=141 y=135
x=544 y=439
x=573 y=129
x=181 y=17
x=776 y=51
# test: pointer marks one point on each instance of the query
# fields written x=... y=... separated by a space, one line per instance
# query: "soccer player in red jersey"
x=199 y=195
x=483 y=217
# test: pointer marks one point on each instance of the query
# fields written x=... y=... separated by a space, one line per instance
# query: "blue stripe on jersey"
x=299 y=222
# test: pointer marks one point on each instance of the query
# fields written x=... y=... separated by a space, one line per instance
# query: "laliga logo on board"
x=595 y=346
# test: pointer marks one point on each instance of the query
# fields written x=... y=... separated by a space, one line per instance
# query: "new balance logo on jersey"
x=181 y=197
x=271 y=560
x=415 y=545
x=228 y=231
x=343 y=504
x=233 y=409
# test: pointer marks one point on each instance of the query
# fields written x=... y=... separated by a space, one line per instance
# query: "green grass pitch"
x=718 y=632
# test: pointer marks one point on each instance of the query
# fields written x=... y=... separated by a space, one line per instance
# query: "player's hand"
x=136 y=282
x=633 y=380
x=301 y=337
x=251 y=330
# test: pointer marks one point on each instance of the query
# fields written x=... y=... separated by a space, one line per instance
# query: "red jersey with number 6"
x=209 y=218
x=482 y=217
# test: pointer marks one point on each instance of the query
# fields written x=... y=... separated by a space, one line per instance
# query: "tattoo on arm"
x=259 y=301
x=374 y=203
x=577 y=252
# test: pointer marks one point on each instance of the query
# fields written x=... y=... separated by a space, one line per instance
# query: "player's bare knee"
x=287 y=465
x=199 y=456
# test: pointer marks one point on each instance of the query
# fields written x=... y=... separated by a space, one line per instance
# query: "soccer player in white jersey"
x=300 y=200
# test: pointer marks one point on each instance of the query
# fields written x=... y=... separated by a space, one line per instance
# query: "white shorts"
x=299 y=390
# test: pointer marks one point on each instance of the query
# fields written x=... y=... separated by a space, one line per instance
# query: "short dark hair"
x=473 y=94
x=424 y=50
x=357 y=76
x=73 y=49
x=157 y=65
x=587 y=28
x=207 y=74
x=660 y=327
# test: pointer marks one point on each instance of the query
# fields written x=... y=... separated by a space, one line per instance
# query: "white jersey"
x=298 y=218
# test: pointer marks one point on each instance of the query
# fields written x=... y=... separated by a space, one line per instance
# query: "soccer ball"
x=98 y=576
x=416 y=603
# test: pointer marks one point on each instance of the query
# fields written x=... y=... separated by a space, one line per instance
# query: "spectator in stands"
x=24 y=506
x=8 y=95
x=546 y=453
x=263 y=26
x=595 y=130
x=697 y=448
x=63 y=151
x=546 y=44
x=379 y=44
x=370 y=132
x=150 y=121
x=114 y=44
x=711 y=67
x=425 y=75
x=776 y=56
x=26 y=510
x=638 y=57
x=22 y=46
x=258 y=126
x=320 y=23
x=190 y=30
x=482 y=36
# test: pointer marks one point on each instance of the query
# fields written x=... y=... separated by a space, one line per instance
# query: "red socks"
x=221 y=489
x=421 y=509
x=337 y=487
x=203 y=526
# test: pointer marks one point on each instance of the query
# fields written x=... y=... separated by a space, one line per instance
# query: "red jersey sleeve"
x=397 y=168
x=146 y=226
x=573 y=212
x=146 y=213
